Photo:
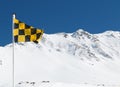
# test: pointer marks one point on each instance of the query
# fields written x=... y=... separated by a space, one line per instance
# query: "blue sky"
x=94 y=16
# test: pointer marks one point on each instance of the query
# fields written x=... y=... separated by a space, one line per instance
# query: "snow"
x=77 y=59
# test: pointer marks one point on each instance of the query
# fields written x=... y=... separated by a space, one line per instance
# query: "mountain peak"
x=81 y=31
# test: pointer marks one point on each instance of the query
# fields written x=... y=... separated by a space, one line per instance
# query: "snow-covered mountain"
x=78 y=57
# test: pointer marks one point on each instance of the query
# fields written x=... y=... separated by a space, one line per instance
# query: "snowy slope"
x=76 y=58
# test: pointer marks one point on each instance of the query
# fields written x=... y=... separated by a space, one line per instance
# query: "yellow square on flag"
x=21 y=38
x=27 y=31
x=21 y=26
x=16 y=32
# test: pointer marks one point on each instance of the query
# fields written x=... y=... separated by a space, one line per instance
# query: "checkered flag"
x=25 y=33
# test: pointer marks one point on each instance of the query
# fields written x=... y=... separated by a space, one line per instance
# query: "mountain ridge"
x=82 y=43
x=83 y=39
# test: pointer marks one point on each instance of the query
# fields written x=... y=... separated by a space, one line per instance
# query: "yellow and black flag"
x=25 y=33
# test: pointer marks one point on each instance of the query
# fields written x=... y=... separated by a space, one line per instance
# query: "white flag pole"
x=13 y=78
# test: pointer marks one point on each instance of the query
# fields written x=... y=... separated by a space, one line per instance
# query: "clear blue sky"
x=94 y=16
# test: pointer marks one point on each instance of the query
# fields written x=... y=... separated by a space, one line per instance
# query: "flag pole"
x=13 y=78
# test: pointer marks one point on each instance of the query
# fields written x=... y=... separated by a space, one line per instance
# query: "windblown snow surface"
x=77 y=59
